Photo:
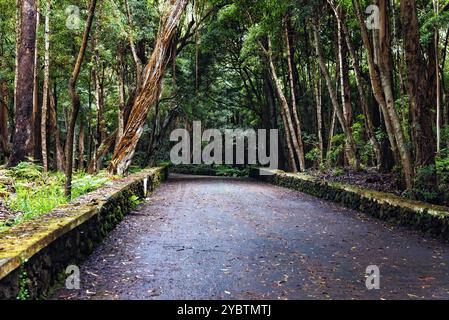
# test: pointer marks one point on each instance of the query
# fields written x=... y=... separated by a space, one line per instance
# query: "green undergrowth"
x=30 y=192
x=211 y=170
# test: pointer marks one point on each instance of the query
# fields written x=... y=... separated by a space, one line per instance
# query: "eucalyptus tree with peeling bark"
x=151 y=87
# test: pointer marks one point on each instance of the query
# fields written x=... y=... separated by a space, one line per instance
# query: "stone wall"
x=426 y=217
x=35 y=254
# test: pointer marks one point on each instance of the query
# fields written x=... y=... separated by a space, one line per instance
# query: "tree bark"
x=288 y=139
x=345 y=91
x=46 y=88
x=102 y=151
x=369 y=127
x=122 y=92
x=22 y=141
x=16 y=59
x=36 y=117
x=381 y=84
x=4 y=133
x=152 y=82
x=383 y=46
x=331 y=134
x=76 y=101
x=137 y=60
x=59 y=150
x=98 y=79
x=285 y=108
x=317 y=89
x=301 y=158
x=81 y=145
x=417 y=85
x=346 y=129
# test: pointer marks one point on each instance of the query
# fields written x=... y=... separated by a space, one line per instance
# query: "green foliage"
x=338 y=147
x=85 y=183
x=424 y=187
x=27 y=170
x=313 y=155
x=364 y=147
x=336 y=172
x=135 y=201
x=212 y=170
x=442 y=161
x=227 y=171
x=445 y=133
x=34 y=200
x=23 y=293
x=36 y=193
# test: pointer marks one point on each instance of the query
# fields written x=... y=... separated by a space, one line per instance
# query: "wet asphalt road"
x=220 y=238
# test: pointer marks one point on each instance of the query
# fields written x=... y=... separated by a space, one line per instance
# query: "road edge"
x=425 y=217
x=35 y=254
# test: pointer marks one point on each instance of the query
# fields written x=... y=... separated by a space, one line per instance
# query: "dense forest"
x=356 y=88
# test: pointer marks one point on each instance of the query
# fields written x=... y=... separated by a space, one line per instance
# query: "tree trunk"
x=4 y=134
x=438 y=85
x=283 y=104
x=46 y=88
x=302 y=162
x=76 y=101
x=379 y=81
x=152 y=82
x=316 y=83
x=98 y=78
x=358 y=77
x=81 y=145
x=417 y=85
x=36 y=118
x=22 y=141
x=288 y=139
x=102 y=151
x=59 y=150
x=331 y=134
x=376 y=82
x=382 y=45
x=346 y=129
x=122 y=92
x=16 y=59
x=137 y=60
x=345 y=91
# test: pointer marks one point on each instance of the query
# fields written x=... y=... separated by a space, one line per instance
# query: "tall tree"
x=380 y=76
x=285 y=109
x=152 y=82
x=351 y=150
x=23 y=133
x=36 y=118
x=76 y=100
x=45 y=89
x=417 y=87
x=358 y=78
x=294 y=107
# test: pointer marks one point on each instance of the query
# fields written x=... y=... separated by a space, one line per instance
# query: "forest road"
x=226 y=238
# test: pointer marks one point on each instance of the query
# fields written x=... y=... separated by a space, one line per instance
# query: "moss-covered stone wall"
x=426 y=217
x=35 y=254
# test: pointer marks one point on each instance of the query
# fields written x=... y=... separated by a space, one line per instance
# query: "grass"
x=36 y=193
